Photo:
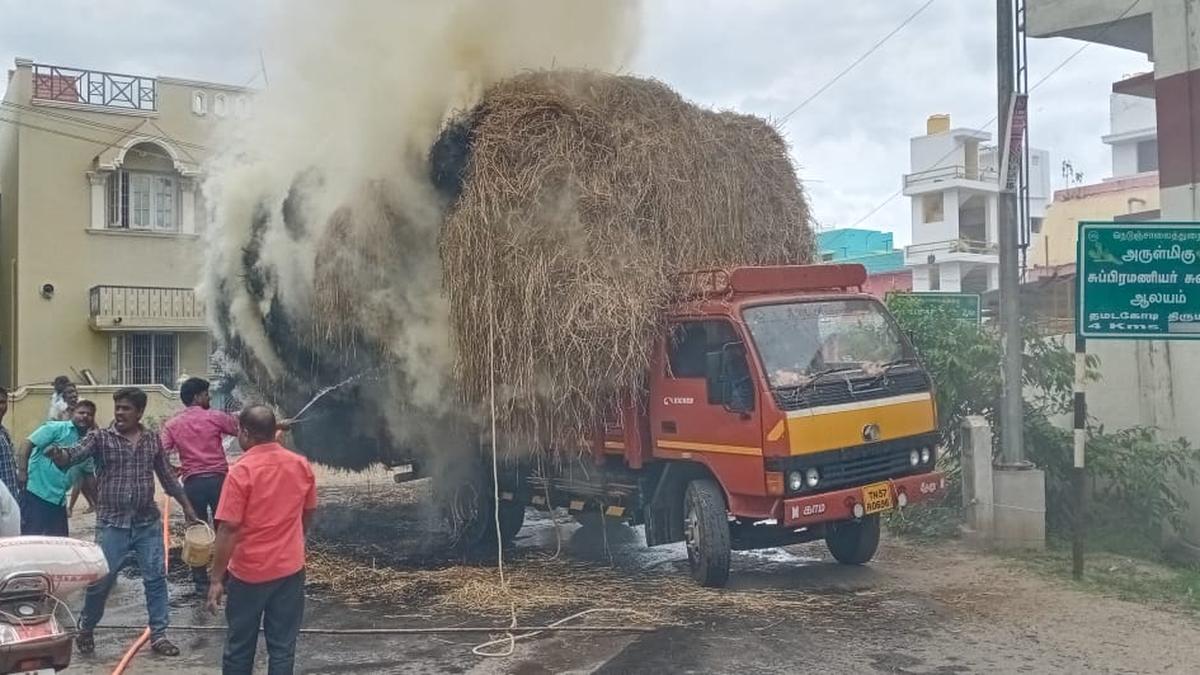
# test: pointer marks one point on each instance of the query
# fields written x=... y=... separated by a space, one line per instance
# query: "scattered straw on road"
x=541 y=586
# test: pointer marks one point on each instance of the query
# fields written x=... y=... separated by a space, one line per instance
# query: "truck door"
x=704 y=403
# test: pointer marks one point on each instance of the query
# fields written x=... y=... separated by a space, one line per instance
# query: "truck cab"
x=782 y=405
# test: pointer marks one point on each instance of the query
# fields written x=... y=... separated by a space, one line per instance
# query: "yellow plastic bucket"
x=198 y=545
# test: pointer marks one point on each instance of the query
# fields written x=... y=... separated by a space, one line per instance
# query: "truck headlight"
x=914 y=457
x=925 y=455
x=812 y=477
x=795 y=481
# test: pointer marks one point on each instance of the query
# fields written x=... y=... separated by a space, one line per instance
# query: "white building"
x=955 y=192
x=1168 y=32
x=1133 y=135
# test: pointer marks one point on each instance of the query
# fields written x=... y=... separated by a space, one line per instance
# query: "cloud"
x=851 y=143
x=216 y=40
x=763 y=57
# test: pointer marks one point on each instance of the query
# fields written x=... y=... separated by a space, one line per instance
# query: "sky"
x=762 y=57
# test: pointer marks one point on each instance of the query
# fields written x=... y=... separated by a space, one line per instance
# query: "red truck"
x=783 y=405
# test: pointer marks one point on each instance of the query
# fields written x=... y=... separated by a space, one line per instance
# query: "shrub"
x=1133 y=473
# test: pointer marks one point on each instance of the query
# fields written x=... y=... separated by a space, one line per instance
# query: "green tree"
x=1134 y=472
x=963 y=357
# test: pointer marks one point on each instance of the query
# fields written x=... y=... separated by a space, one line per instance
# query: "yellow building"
x=100 y=224
x=1129 y=198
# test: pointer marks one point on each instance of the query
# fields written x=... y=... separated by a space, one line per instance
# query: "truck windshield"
x=801 y=341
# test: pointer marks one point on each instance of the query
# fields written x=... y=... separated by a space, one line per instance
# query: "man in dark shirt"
x=128 y=457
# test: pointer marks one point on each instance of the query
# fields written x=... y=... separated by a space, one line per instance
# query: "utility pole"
x=1012 y=451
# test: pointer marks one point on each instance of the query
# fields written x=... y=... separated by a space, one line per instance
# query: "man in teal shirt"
x=43 y=503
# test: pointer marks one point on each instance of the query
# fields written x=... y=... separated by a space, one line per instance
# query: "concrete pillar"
x=97 y=182
x=920 y=278
x=951 y=277
x=1176 y=25
x=187 y=206
x=1176 y=29
x=1020 y=508
x=977 y=488
x=992 y=215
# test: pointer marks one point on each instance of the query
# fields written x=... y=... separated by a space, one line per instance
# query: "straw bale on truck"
x=577 y=199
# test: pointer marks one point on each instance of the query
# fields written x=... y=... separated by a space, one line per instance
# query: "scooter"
x=33 y=638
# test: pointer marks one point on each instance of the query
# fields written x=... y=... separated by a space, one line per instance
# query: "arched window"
x=144 y=192
x=199 y=103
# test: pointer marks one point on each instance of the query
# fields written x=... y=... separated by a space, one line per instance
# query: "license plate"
x=877 y=497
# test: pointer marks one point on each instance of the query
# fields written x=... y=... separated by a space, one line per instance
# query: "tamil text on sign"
x=963 y=305
x=1138 y=281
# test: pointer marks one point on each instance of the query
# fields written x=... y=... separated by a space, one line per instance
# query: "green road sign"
x=1138 y=282
x=966 y=305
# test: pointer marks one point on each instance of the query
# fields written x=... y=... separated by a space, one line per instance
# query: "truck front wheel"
x=853 y=542
x=706 y=532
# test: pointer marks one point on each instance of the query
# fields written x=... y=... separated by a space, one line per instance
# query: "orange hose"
x=132 y=652
x=145 y=636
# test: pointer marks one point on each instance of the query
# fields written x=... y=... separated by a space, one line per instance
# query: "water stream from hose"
x=333 y=387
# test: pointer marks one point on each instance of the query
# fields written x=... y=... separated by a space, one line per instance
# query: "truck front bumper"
x=829 y=507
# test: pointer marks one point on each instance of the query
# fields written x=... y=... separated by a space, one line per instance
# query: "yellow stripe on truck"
x=711 y=447
x=842 y=426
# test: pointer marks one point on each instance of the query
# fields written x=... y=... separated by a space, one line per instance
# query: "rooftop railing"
x=60 y=84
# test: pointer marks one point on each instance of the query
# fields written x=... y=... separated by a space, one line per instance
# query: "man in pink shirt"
x=197 y=433
x=269 y=500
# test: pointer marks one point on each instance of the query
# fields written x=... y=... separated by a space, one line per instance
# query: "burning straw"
x=556 y=216
x=579 y=198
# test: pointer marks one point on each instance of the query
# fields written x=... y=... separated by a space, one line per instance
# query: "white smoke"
x=358 y=91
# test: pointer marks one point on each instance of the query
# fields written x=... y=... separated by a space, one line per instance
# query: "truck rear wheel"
x=468 y=512
x=853 y=542
x=706 y=532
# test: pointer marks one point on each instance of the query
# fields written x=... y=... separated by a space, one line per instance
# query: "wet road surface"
x=916 y=609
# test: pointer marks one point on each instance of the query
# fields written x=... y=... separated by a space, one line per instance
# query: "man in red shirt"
x=266 y=507
x=197 y=433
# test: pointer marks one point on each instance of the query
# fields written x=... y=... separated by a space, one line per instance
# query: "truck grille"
x=834 y=390
x=865 y=469
x=861 y=465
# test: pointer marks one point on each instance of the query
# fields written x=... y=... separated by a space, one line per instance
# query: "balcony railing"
x=952 y=246
x=145 y=308
x=948 y=173
x=94 y=88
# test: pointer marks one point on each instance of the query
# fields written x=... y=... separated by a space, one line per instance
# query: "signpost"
x=964 y=305
x=1135 y=282
x=1138 y=282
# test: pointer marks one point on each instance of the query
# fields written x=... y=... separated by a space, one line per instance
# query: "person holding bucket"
x=196 y=433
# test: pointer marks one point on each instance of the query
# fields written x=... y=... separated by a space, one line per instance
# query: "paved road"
x=916 y=609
